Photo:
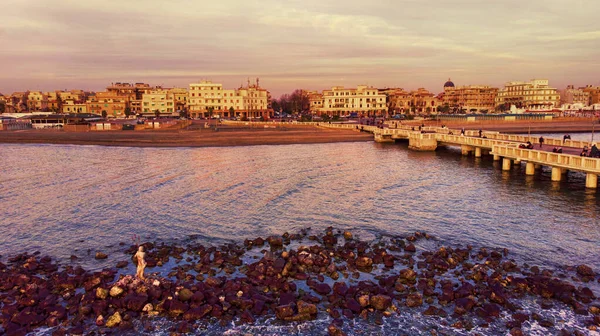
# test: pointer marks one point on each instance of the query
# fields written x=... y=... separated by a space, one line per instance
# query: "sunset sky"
x=310 y=44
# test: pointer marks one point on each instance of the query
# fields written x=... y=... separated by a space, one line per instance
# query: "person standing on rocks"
x=141 y=262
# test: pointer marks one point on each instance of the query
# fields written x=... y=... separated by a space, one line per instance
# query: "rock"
x=381 y=302
x=100 y=255
x=585 y=270
x=408 y=275
x=516 y=332
x=364 y=262
x=414 y=300
x=197 y=313
x=177 y=308
x=116 y=291
x=100 y=320
x=340 y=288
x=284 y=311
x=114 y=320
x=275 y=241
x=333 y=330
x=101 y=293
x=136 y=303
x=148 y=307
x=322 y=288
x=185 y=294
x=364 y=300
x=348 y=235
x=306 y=308
x=410 y=248
x=353 y=305
x=122 y=264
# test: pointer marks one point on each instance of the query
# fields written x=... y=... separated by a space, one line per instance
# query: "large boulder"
x=381 y=302
x=114 y=320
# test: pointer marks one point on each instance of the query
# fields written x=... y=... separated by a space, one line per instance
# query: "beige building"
x=533 y=95
x=594 y=94
x=159 y=100
x=571 y=95
x=340 y=101
x=470 y=98
x=419 y=101
x=37 y=101
x=207 y=99
x=72 y=106
x=107 y=103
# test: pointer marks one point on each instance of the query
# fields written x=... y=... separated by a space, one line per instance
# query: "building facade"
x=207 y=99
x=339 y=101
x=573 y=96
x=533 y=95
x=159 y=101
x=37 y=101
x=470 y=98
x=107 y=103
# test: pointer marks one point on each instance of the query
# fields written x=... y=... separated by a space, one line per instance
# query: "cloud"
x=407 y=43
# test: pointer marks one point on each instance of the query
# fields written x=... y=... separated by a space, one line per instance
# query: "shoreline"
x=178 y=138
x=253 y=136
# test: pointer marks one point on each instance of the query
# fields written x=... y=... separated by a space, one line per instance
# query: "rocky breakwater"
x=295 y=278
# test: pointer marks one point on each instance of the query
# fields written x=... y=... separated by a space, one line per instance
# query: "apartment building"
x=535 y=95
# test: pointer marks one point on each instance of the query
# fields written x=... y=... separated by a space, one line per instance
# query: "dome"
x=449 y=83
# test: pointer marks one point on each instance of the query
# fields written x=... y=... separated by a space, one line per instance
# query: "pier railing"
x=568 y=161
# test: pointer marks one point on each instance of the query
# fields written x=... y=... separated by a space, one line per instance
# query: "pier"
x=503 y=147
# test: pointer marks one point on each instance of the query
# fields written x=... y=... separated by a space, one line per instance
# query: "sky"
x=308 y=44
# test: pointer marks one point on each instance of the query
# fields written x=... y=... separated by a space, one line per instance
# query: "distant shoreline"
x=182 y=138
x=287 y=135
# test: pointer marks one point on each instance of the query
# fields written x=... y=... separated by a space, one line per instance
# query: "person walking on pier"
x=594 y=151
x=541 y=141
x=462 y=131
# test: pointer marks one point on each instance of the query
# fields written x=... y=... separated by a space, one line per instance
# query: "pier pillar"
x=496 y=157
x=506 y=164
x=529 y=168
x=517 y=162
x=478 y=152
x=557 y=174
x=591 y=181
x=464 y=149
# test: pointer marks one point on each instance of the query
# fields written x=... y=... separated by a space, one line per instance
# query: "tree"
x=104 y=114
x=2 y=107
x=231 y=111
x=183 y=113
x=157 y=114
x=128 y=112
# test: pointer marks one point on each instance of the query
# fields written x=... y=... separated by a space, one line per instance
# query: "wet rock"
x=100 y=320
x=306 y=308
x=275 y=242
x=122 y=264
x=340 y=288
x=114 y=320
x=414 y=300
x=364 y=300
x=282 y=312
x=516 y=332
x=322 y=288
x=407 y=275
x=177 y=308
x=115 y=291
x=333 y=330
x=185 y=294
x=197 y=313
x=381 y=302
x=348 y=235
x=100 y=255
x=136 y=302
x=363 y=262
x=353 y=305
x=410 y=248
x=585 y=270
x=148 y=307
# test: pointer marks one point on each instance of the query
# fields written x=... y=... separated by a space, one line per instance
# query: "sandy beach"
x=248 y=136
x=186 y=138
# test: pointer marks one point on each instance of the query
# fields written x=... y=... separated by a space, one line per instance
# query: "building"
x=339 y=101
x=534 y=95
x=133 y=92
x=594 y=94
x=71 y=106
x=207 y=99
x=159 y=101
x=37 y=101
x=107 y=103
x=315 y=101
x=573 y=96
x=180 y=96
x=469 y=98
